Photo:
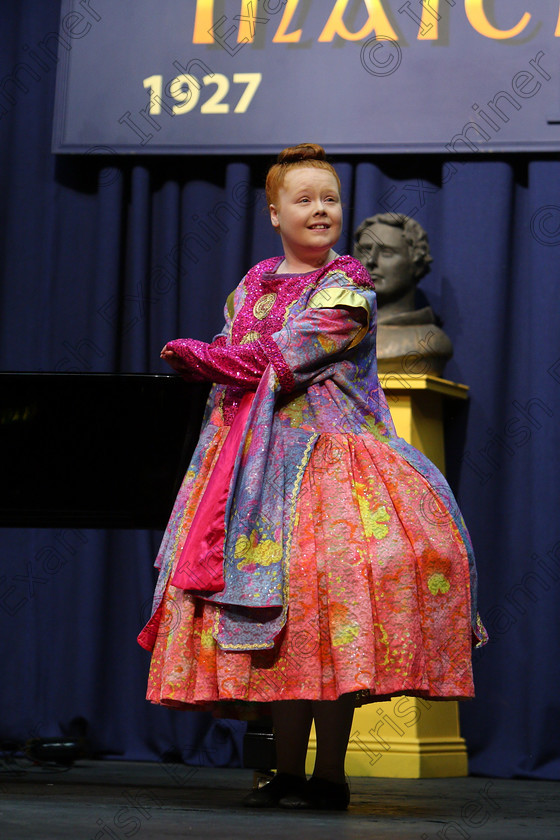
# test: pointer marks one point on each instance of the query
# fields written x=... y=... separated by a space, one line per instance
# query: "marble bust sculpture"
x=395 y=251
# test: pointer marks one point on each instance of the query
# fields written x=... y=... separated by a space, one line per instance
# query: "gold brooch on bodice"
x=251 y=336
x=263 y=306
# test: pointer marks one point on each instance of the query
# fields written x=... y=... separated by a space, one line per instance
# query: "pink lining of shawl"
x=201 y=564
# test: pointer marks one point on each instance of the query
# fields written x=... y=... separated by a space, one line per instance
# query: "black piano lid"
x=94 y=450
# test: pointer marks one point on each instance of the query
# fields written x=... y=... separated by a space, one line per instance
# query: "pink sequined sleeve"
x=235 y=364
x=283 y=372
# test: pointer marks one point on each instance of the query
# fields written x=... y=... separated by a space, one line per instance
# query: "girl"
x=313 y=559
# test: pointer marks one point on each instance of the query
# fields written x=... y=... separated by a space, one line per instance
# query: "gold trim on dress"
x=264 y=304
x=229 y=304
x=253 y=335
x=330 y=298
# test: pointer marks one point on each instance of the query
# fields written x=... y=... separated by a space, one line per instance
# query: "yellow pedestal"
x=409 y=737
x=416 y=404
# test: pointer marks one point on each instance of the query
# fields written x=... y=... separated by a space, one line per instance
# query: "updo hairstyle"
x=304 y=154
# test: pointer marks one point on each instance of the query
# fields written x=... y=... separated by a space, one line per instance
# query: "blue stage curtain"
x=104 y=259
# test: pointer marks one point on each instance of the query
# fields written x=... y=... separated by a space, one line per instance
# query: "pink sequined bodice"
x=268 y=298
x=265 y=307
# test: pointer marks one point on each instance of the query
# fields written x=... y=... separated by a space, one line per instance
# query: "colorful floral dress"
x=311 y=552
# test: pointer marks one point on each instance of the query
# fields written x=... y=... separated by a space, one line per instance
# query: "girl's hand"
x=173 y=359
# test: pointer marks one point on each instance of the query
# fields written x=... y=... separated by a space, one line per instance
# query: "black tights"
x=292 y=724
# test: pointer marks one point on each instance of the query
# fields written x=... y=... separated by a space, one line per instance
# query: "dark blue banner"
x=233 y=76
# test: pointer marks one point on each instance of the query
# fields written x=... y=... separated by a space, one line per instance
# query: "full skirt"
x=379 y=596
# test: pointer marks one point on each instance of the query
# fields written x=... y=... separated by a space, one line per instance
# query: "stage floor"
x=96 y=800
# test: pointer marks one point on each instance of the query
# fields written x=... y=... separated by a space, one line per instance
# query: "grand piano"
x=96 y=450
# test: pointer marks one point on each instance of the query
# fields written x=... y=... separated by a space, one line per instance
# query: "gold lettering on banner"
x=283 y=37
x=377 y=20
x=241 y=27
x=203 y=22
x=477 y=18
x=429 y=21
x=247 y=18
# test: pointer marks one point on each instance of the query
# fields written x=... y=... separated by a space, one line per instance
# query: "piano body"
x=96 y=450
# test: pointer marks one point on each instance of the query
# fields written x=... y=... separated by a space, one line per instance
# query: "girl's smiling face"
x=308 y=214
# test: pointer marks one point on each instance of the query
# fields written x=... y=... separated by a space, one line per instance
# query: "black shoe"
x=270 y=794
x=321 y=795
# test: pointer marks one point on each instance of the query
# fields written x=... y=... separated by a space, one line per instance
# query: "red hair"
x=305 y=154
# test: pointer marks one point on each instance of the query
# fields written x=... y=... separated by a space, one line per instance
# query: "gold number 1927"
x=185 y=90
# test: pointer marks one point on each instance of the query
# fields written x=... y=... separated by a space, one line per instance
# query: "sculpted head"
x=394 y=249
